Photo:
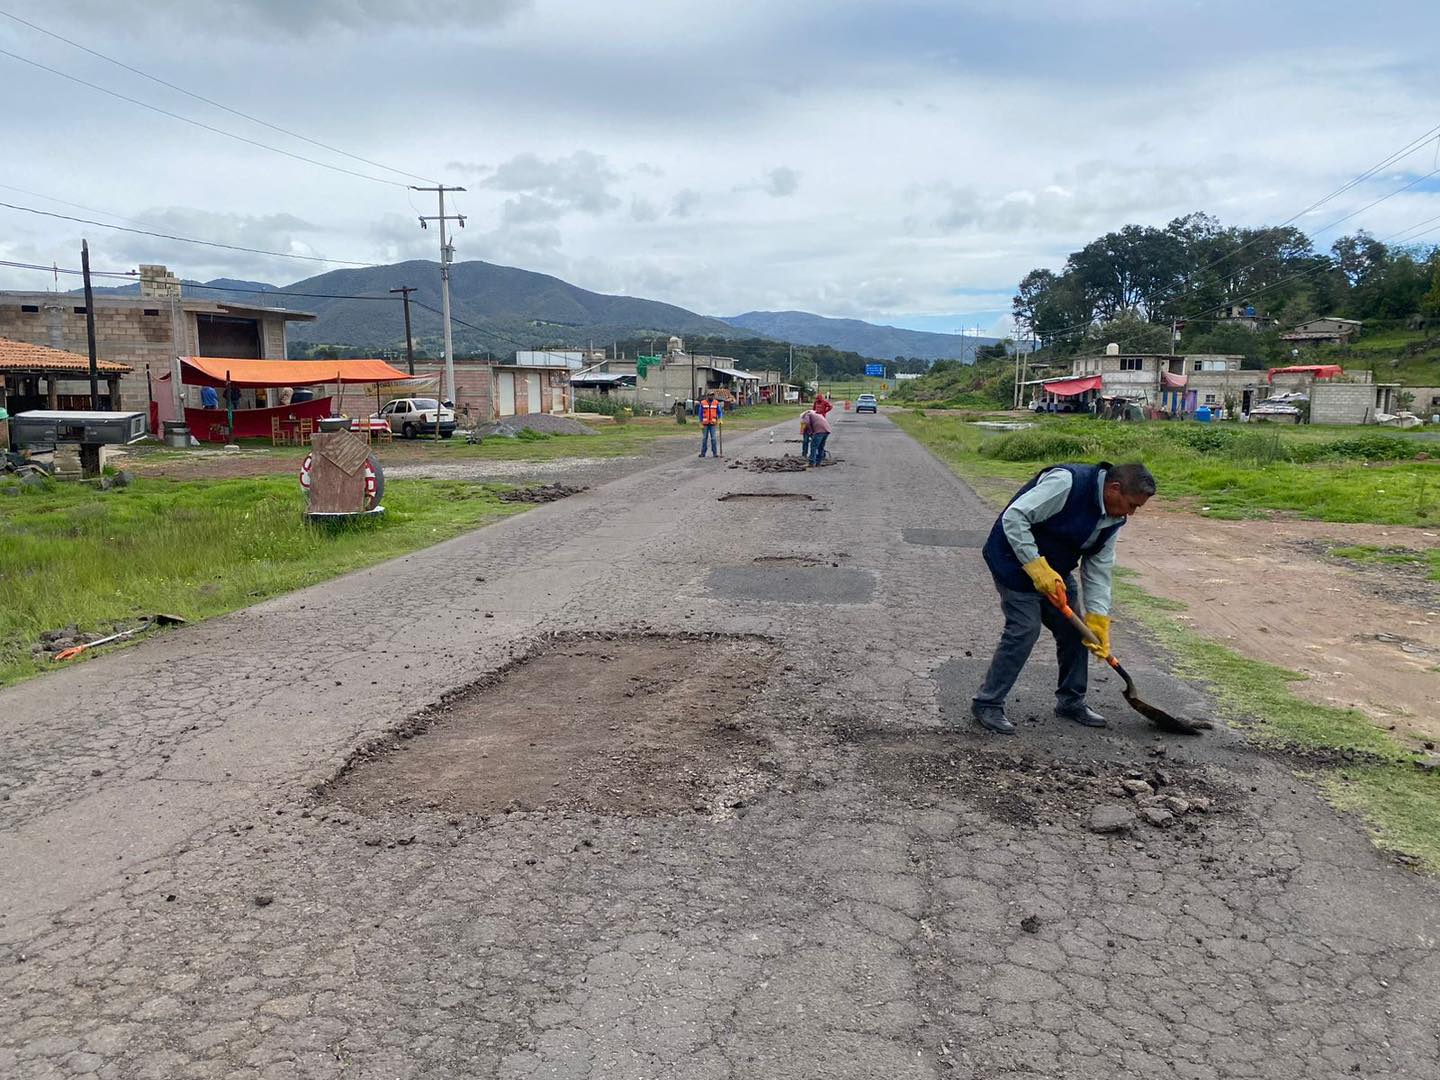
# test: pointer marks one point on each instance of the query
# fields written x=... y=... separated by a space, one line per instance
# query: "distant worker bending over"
x=1066 y=516
x=712 y=415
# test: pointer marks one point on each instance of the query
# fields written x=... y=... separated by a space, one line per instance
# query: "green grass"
x=1226 y=471
x=1399 y=804
x=1391 y=556
x=71 y=554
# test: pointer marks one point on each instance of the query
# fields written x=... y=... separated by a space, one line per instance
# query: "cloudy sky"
x=903 y=162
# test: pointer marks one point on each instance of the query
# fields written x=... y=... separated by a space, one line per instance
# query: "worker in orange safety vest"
x=712 y=415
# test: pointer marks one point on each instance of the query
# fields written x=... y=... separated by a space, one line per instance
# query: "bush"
x=1051 y=447
x=1367 y=448
x=604 y=406
x=1206 y=438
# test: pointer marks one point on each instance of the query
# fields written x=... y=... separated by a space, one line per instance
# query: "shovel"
x=1159 y=717
x=149 y=623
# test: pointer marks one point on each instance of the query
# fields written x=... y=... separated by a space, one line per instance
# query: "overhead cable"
x=209 y=101
x=187 y=239
x=199 y=123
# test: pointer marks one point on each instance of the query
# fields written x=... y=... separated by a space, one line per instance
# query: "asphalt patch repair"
x=625 y=724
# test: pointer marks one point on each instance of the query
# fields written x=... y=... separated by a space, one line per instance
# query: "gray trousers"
x=1025 y=613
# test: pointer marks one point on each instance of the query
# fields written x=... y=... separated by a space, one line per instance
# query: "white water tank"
x=1112 y=349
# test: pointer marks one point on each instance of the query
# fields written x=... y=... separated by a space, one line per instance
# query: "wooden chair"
x=383 y=432
x=279 y=436
x=307 y=429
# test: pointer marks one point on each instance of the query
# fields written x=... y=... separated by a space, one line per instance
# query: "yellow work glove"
x=1099 y=626
x=1047 y=581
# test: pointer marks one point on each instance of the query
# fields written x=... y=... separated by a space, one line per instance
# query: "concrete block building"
x=148 y=330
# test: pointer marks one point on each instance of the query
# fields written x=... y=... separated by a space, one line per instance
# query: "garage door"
x=532 y=397
x=507 y=393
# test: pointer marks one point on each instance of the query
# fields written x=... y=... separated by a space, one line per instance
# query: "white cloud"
x=849 y=161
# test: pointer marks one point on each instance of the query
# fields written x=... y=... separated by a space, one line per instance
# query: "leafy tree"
x=1132 y=333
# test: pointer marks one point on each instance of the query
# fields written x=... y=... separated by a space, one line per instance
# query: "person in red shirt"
x=822 y=404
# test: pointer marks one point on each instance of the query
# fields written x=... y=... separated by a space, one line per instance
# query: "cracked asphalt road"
x=178 y=901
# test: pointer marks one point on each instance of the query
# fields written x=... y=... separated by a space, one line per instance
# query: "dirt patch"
x=543 y=494
x=797 y=496
x=1364 y=639
x=619 y=724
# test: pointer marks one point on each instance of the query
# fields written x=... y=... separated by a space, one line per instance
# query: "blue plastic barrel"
x=1202 y=414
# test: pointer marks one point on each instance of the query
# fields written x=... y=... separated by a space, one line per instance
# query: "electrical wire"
x=187 y=239
x=199 y=123
x=1398 y=155
x=211 y=101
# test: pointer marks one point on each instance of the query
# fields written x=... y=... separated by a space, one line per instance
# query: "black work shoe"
x=992 y=718
x=1084 y=715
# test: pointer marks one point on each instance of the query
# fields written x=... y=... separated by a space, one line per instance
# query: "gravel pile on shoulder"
x=540 y=423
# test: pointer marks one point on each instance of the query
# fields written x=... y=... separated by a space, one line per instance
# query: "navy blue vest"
x=1061 y=538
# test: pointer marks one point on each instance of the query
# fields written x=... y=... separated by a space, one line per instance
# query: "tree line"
x=1136 y=282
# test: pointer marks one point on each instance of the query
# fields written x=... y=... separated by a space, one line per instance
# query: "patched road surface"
x=654 y=783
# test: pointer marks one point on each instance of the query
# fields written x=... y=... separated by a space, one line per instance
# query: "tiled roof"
x=22 y=356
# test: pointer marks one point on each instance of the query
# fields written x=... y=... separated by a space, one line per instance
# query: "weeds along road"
x=700 y=814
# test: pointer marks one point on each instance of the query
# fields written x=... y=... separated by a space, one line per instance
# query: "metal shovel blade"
x=1157 y=716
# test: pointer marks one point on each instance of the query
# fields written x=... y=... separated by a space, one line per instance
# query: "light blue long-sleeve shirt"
x=1046 y=499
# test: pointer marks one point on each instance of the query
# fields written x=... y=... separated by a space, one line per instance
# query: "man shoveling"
x=1065 y=517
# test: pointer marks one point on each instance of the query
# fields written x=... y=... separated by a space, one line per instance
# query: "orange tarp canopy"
x=1071 y=387
x=252 y=374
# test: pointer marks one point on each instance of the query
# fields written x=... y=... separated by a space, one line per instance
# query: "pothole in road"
x=1145 y=795
x=623 y=724
x=956 y=538
x=799 y=560
x=797 y=496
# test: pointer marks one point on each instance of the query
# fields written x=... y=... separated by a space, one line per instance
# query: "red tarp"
x=1320 y=371
x=1170 y=381
x=257 y=374
x=1071 y=387
x=208 y=425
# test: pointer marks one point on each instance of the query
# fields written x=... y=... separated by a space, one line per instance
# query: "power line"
x=1398 y=155
x=187 y=239
x=210 y=101
x=198 y=123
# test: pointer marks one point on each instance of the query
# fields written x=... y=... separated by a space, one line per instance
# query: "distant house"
x=1246 y=316
x=1327 y=331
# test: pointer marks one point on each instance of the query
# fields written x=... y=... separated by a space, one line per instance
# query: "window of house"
x=1209 y=399
x=1198 y=366
x=1132 y=363
x=152 y=311
x=30 y=309
x=79 y=311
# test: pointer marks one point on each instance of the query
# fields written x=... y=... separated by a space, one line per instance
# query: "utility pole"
x=1017 y=372
x=90 y=326
x=405 y=291
x=447 y=255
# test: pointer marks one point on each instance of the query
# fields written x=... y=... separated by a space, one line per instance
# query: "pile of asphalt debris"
x=788 y=463
x=543 y=494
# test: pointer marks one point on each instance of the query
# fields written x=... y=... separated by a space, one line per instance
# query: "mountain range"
x=853 y=335
x=500 y=308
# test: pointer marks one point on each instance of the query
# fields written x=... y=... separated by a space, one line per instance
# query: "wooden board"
x=337 y=477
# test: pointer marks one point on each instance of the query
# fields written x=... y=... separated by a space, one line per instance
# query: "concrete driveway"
x=215 y=865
